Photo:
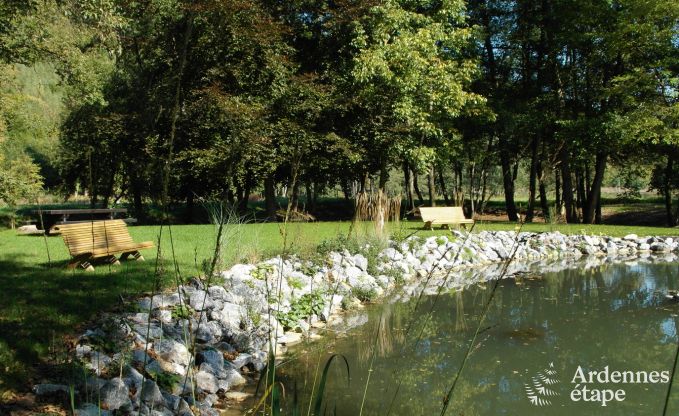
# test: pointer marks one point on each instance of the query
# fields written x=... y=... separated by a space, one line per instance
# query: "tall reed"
x=448 y=397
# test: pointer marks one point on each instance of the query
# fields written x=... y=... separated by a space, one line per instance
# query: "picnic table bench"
x=87 y=241
x=444 y=216
x=53 y=217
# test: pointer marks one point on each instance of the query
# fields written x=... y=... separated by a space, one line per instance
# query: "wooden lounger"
x=443 y=216
x=87 y=241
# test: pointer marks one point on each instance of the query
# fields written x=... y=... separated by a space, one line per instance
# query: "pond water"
x=540 y=326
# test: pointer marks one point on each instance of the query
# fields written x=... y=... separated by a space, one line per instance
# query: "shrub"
x=181 y=312
x=363 y=294
x=302 y=307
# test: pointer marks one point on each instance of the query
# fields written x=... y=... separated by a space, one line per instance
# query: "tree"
x=409 y=77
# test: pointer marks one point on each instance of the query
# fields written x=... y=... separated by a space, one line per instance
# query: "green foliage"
x=338 y=244
x=363 y=294
x=295 y=283
x=395 y=274
x=262 y=271
x=19 y=179
x=301 y=308
x=181 y=311
x=165 y=380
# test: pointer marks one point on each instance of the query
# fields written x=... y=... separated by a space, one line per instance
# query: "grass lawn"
x=43 y=302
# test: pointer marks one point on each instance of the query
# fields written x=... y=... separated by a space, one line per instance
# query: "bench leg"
x=136 y=254
x=427 y=225
x=81 y=262
x=112 y=260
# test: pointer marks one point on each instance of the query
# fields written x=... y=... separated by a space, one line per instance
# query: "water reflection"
x=604 y=315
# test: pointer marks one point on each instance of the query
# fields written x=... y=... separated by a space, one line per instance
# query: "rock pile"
x=182 y=352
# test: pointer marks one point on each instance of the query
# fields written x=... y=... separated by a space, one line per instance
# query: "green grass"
x=43 y=304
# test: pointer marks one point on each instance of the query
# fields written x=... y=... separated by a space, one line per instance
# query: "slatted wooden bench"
x=102 y=240
x=444 y=216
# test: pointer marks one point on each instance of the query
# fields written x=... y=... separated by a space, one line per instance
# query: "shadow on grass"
x=43 y=304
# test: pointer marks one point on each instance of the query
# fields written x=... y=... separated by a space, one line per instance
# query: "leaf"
x=324 y=377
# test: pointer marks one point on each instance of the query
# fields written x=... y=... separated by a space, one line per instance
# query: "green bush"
x=166 y=381
x=301 y=308
x=181 y=312
x=364 y=295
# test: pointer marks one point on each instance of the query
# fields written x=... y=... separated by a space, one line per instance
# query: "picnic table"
x=53 y=217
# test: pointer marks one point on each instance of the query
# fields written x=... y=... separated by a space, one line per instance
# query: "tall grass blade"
x=674 y=370
x=71 y=395
x=268 y=379
x=295 y=403
x=370 y=369
x=261 y=401
x=324 y=379
x=276 y=400
x=448 y=397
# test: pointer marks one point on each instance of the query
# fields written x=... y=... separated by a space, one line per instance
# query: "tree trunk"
x=346 y=190
x=484 y=192
x=294 y=196
x=544 y=204
x=597 y=215
x=384 y=177
x=408 y=178
x=137 y=199
x=472 y=173
x=94 y=198
x=459 y=194
x=176 y=109
x=270 y=197
x=190 y=205
x=594 y=194
x=579 y=190
x=567 y=185
x=308 y=195
x=364 y=183
x=313 y=202
x=532 y=182
x=557 y=191
x=508 y=181
x=432 y=186
x=417 y=189
x=245 y=198
x=667 y=191
x=442 y=183
x=108 y=192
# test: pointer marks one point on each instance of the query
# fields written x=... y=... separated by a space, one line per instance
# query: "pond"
x=543 y=334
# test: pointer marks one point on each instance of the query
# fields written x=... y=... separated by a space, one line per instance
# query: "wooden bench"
x=88 y=241
x=444 y=216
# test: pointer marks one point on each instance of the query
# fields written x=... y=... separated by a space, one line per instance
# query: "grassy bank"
x=44 y=303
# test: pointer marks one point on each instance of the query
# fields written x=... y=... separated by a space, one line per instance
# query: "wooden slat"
x=90 y=247
x=122 y=249
x=90 y=225
x=97 y=233
x=90 y=237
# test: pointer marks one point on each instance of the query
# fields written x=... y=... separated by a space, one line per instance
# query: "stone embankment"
x=185 y=351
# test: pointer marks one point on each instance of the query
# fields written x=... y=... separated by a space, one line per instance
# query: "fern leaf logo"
x=540 y=388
